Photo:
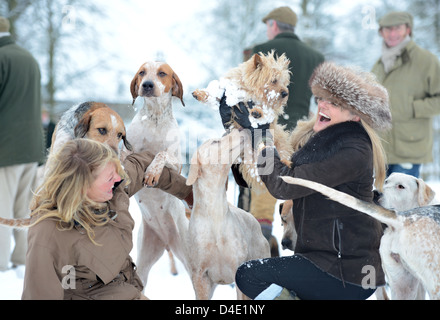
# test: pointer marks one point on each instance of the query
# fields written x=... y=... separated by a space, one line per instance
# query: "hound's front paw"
x=200 y=95
x=152 y=176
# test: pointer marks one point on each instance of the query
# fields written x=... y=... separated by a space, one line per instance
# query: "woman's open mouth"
x=324 y=117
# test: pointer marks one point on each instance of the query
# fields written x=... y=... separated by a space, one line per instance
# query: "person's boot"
x=276 y=292
x=287 y=295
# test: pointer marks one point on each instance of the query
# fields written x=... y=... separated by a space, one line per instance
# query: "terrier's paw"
x=200 y=95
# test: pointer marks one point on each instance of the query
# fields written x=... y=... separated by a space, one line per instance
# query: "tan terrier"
x=263 y=79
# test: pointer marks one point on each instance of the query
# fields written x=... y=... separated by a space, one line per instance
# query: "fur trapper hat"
x=355 y=90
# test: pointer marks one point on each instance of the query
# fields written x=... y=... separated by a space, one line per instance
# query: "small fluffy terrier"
x=263 y=79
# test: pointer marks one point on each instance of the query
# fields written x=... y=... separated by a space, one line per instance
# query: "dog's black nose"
x=284 y=94
x=148 y=85
x=376 y=196
x=286 y=243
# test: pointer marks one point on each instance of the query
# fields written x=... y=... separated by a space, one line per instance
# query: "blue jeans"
x=414 y=171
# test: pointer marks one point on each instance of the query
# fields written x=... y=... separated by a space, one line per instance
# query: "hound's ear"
x=177 y=90
x=193 y=174
x=194 y=170
x=134 y=88
x=426 y=194
x=126 y=143
x=83 y=125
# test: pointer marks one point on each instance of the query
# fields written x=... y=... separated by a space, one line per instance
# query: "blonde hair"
x=304 y=131
x=379 y=156
x=63 y=193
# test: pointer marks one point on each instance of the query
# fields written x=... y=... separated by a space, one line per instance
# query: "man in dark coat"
x=303 y=60
x=21 y=138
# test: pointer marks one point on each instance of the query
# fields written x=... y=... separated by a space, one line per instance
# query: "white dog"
x=403 y=192
x=220 y=235
x=155 y=129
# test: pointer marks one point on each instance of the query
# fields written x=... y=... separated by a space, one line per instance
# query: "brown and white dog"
x=92 y=120
x=155 y=129
x=409 y=247
x=220 y=236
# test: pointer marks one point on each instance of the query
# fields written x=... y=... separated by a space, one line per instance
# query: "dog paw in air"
x=200 y=95
x=257 y=113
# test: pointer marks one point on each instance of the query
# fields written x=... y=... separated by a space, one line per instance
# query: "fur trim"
x=355 y=90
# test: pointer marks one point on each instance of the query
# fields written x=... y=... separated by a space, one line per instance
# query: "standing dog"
x=155 y=129
x=409 y=248
x=220 y=236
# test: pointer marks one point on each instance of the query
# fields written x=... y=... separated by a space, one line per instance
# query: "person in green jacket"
x=281 y=24
x=412 y=77
x=21 y=139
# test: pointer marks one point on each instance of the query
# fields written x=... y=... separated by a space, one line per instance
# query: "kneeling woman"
x=337 y=250
x=81 y=233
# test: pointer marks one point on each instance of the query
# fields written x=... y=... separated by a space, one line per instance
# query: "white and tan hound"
x=155 y=129
x=220 y=236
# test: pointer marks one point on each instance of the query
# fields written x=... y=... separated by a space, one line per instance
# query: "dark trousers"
x=296 y=274
x=413 y=171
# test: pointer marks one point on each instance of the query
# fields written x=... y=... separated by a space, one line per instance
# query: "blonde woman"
x=81 y=232
x=337 y=250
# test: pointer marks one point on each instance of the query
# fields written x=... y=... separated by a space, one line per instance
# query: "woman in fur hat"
x=337 y=250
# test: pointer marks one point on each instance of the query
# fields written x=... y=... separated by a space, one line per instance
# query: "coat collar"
x=286 y=35
x=6 y=41
x=403 y=58
x=324 y=144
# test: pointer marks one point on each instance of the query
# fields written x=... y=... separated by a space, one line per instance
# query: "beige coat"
x=99 y=272
x=413 y=85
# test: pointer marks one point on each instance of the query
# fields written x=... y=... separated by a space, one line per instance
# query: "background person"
x=21 y=140
x=412 y=77
x=280 y=24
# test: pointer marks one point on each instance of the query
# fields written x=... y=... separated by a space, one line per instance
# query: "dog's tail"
x=16 y=223
x=386 y=216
